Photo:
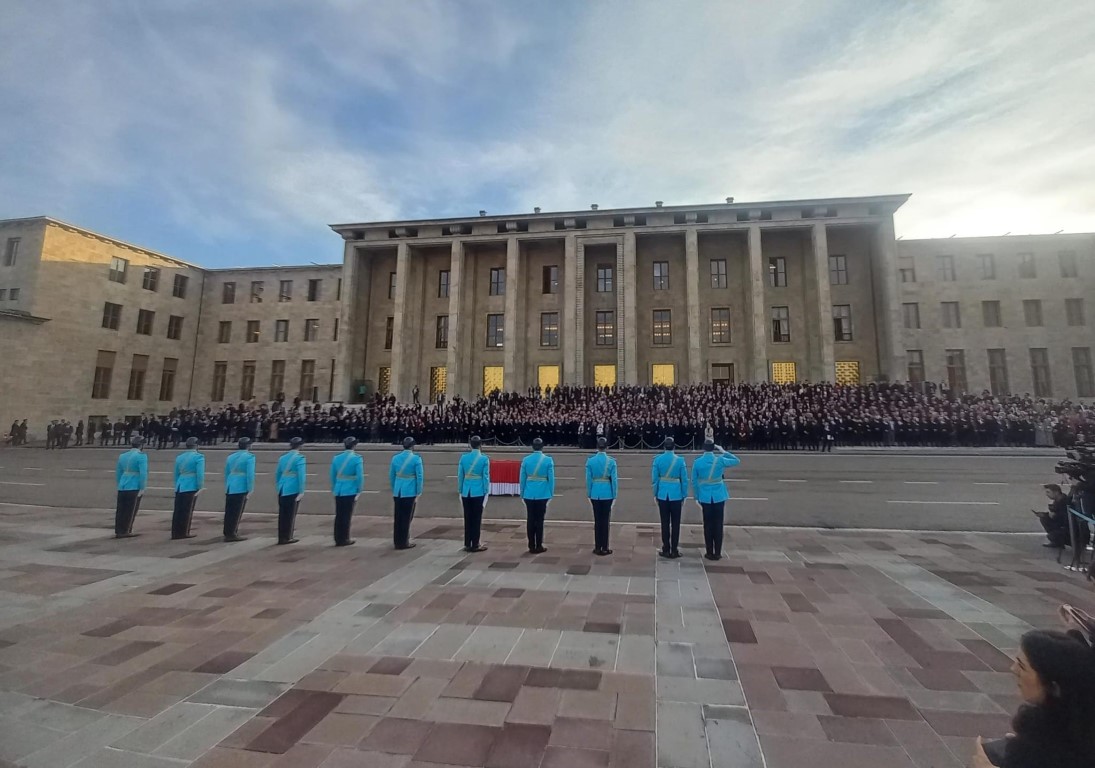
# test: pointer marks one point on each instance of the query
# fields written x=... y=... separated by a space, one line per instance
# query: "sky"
x=233 y=133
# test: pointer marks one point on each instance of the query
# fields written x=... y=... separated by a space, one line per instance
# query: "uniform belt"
x=602 y=479
x=710 y=482
x=534 y=477
x=473 y=477
x=237 y=473
x=668 y=479
x=130 y=472
x=407 y=477
x=288 y=474
x=345 y=477
x=187 y=474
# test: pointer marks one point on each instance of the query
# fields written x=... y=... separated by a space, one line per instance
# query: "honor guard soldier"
x=711 y=495
x=537 y=488
x=669 y=477
x=347 y=481
x=405 y=478
x=239 y=481
x=132 y=476
x=473 y=482
x=189 y=481
x=290 y=478
x=602 y=485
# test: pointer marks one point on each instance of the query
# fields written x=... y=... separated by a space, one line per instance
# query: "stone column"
x=626 y=319
x=580 y=314
x=401 y=328
x=892 y=362
x=570 y=304
x=692 y=292
x=513 y=371
x=347 y=320
x=758 y=308
x=455 y=362
x=823 y=365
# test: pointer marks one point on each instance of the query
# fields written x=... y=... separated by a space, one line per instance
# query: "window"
x=990 y=313
x=224 y=332
x=112 y=316
x=334 y=335
x=722 y=373
x=3 y=293
x=443 y=284
x=439 y=381
x=11 y=251
x=495 y=330
x=604 y=322
x=549 y=329
x=1039 y=372
x=389 y=332
x=118 y=269
x=104 y=371
x=663 y=374
x=1067 y=261
x=220 y=376
x=907 y=269
x=842 y=322
x=308 y=380
x=718 y=273
x=256 y=291
x=384 y=380
x=952 y=314
x=150 y=279
x=136 y=377
x=777 y=272
x=441 y=340
x=1032 y=313
x=911 y=313
x=847 y=371
x=606 y=277
x=550 y=279
x=253 y=331
x=145 y=320
x=497 y=281
x=1074 y=312
x=838 y=270
x=663 y=326
x=281 y=330
x=13 y=294
x=311 y=329
x=988 y=266
x=915 y=360
x=604 y=376
x=313 y=289
x=493 y=378
x=178 y=288
x=661 y=275
x=228 y=293
x=174 y=327
x=547 y=377
x=944 y=268
x=781 y=324
x=1081 y=366
x=1026 y=266
x=998 y=372
x=338 y=290
x=956 y=369
x=391 y=285
x=277 y=379
x=167 y=379
x=247 y=380
x=720 y=325
x=285 y=290
x=784 y=372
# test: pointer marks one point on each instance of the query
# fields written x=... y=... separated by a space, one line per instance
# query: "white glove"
x=140 y=493
x=485 y=500
x=300 y=496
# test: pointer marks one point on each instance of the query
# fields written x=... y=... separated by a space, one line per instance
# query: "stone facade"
x=412 y=305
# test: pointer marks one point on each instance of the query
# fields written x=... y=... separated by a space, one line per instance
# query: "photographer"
x=1055 y=520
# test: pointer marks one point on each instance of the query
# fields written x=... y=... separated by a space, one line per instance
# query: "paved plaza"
x=803 y=647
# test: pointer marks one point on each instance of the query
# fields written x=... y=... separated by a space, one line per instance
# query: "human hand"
x=980 y=759
x=300 y=496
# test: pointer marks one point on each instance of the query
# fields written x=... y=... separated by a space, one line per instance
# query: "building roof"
x=26 y=317
x=99 y=236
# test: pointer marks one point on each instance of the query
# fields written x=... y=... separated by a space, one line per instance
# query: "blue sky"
x=232 y=133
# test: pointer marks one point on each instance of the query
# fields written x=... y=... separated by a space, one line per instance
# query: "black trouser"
x=287 y=516
x=233 y=511
x=184 y=513
x=344 y=511
x=404 y=513
x=713 y=518
x=128 y=504
x=670 y=513
x=473 y=519
x=536 y=510
x=602 y=514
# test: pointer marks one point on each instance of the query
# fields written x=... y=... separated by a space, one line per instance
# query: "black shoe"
x=477 y=548
x=676 y=554
x=409 y=545
x=289 y=541
x=187 y=536
x=596 y=550
x=346 y=543
x=710 y=556
x=234 y=537
x=126 y=535
x=665 y=553
x=541 y=549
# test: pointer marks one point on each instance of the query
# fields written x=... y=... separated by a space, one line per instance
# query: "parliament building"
x=804 y=290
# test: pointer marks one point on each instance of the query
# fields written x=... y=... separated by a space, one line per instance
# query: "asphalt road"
x=918 y=492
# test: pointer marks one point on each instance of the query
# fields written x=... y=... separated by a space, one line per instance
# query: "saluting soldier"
x=602 y=485
x=290 y=477
x=473 y=483
x=347 y=481
x=239 y=482
x=189 y=481
x=711 y=494
x=537 y=485
x=131 y=474
x=405 y=478
x=669 y=477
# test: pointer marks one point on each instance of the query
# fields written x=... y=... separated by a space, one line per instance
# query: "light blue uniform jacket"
x=291 y=473
x=707 y=482
x=347 y=474
x=405 y=474
x=601 y=477
x=473 y=474
x=239 y=472
x=669 y=477
x=132 y=471
x=189 y=472
x=537 y=476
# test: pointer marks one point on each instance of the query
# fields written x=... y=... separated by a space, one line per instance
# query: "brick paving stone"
x=881 y=707
x=565 y=757
x=519 y=746
x=395 y=735
x=534 y=706
x=586 y=734
x=800 y=679
x=458 y=744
